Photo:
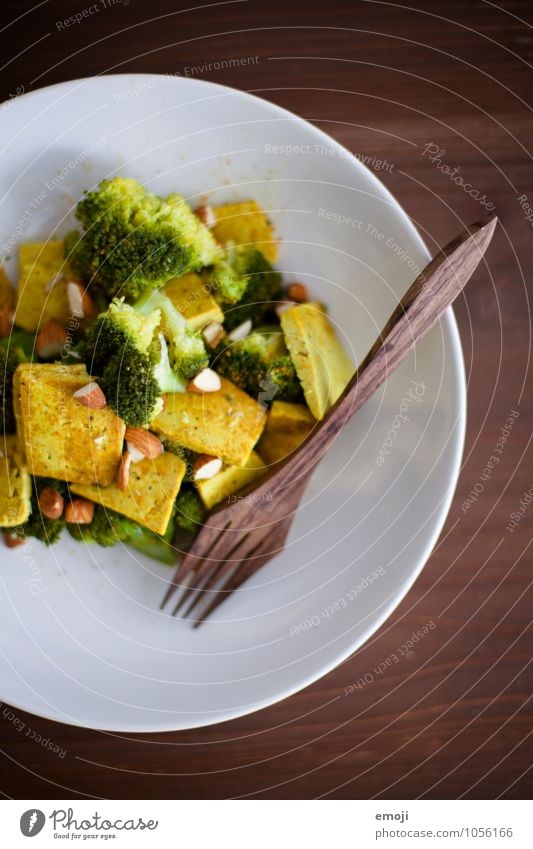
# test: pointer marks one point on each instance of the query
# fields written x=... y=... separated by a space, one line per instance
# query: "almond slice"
x=80 y=511
x=297 y=292
x=79 y=300
x=123 y=471
x=241 y=331
x=213 y=333
x=206 y=467
x=206 y=380
x=90 y=396
x=206 y=215
x=143 y=441
x=51 y=502
x=50 y=339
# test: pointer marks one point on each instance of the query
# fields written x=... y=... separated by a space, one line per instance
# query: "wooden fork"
x=238 y=538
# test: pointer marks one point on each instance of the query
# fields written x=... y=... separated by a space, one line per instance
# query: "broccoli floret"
x=260 y=365
x=124 y=349
x=189 y=510
x=153 y=545
x=9 y=360
x=21 y=340
x=106 y=528
x=131 y=388
x=186 y=347
x=38 y=526
x=135 y=241
x=282 y=377
x=119 y=327
x=246 y=284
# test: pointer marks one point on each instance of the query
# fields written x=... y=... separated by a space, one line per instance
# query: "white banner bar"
x=257 y=824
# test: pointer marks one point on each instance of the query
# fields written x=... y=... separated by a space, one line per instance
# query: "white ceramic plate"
x=82 y=639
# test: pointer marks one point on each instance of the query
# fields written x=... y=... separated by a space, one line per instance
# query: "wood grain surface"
x=418 y=90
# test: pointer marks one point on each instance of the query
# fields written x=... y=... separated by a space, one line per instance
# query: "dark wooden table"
x=422 y=85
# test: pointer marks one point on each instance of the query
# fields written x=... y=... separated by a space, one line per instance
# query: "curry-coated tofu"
x=244 y=224
x=192 y=298
x=224 y=424
x=287 y=427
x=230 y=480
x=322 y=365
x=60 y=437
x=149 y=498
x=42 y=286
x=15 y=484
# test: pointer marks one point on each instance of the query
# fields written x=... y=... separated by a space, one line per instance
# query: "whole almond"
x=79 y=511
x=50 y=339
x=51 y=502
x=144 y=441
x=123 y=471
x=13 y=540
x=206 y=215
x=206 y=467
x=213 y=333
x=90 y=396
x=297 y=292
x=206 y=380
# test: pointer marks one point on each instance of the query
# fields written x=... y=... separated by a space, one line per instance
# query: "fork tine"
x=204 y=582
x=250 y=562
x=243 y=571
x=186 y=566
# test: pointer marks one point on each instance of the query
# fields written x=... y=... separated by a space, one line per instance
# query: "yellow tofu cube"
x=152 y=489
x=246 y=223
x=322 y=365
x=191 y=297
x=38 y=300
x=15 y=484
x=230 y=480
x=60 y=437
x=287 y=427
x=224 y=424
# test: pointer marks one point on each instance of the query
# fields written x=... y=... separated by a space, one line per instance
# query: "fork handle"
x=435 y=288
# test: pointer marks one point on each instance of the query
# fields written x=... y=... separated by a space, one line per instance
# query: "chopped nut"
x=241 y=331
x=80 y=302
x=123 y=471
x=50 y=339
x=12 y=539
x=213 y=333
x=51 y=502
x=79 y=511
x=143 y=441
x=297 y=292
x=206 y=467
x=91 y=396
x=205 y=381
x=206 y=215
